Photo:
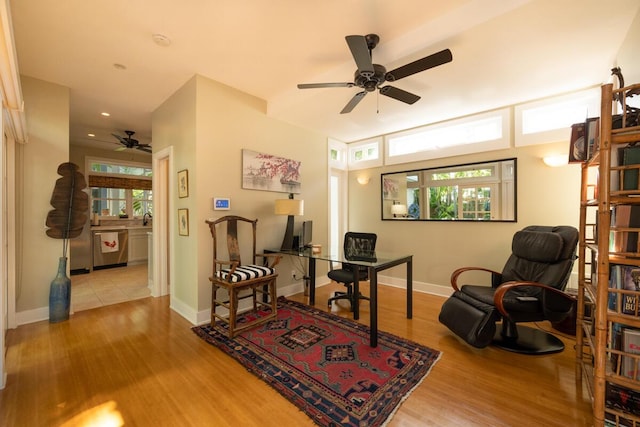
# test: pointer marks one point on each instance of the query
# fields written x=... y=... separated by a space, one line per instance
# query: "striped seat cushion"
x=245 y=272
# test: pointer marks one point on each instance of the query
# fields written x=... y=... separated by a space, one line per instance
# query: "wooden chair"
x=234 y=277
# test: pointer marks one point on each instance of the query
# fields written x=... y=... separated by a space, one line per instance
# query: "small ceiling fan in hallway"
x=370 y=76
x=129 y=142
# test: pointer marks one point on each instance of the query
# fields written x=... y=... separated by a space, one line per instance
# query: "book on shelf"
x=621 y=238
x=614 y=283
x=592 y=136
x=610 y=421
x=622 y=398
x=616 y=344
x=631 y=345
x=629 y=281
x=630 y=156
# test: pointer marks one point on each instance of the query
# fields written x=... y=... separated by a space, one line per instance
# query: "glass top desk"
x=378 y=261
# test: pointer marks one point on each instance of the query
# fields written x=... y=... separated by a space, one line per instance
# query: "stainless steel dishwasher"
x=110 y=248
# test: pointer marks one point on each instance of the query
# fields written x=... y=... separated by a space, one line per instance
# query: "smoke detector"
x=161 y=40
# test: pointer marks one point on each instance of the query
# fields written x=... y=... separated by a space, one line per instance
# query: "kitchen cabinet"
x=138 y=245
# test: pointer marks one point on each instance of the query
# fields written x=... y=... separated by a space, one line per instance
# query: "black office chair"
x=529 y=289
x=357 y=247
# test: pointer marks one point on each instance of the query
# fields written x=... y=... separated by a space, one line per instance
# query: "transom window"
x=120 y=188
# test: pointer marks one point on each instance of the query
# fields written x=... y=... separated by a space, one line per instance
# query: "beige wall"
x=47 y=114
x=174 y=125
x=546 y=196
x=628 y=58
x=208 y=124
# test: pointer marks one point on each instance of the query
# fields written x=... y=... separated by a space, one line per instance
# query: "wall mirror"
x=469 y=192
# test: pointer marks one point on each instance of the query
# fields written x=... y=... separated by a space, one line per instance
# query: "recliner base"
x=529 y=341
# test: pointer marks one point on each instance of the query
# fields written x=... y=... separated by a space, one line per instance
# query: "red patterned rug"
x=324 y=365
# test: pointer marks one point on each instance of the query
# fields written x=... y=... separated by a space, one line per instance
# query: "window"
x=129 y=169
x=475 y=192
x=365 y=154
x=550 y=120
x=120 y=189
x=467 y=195
x=481 y=132
x=337 y=154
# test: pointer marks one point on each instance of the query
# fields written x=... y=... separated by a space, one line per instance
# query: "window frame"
x=503 y=141
x=128 y=192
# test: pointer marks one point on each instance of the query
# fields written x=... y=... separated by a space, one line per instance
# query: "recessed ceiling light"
x=91 y=135
x=105 y=114
x=119 y=66
x=161 y=40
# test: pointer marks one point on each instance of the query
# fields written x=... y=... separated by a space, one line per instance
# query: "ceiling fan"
x=129 y=142
x=370 y=76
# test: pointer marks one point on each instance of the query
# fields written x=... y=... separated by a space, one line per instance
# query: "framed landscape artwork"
x=270 y=173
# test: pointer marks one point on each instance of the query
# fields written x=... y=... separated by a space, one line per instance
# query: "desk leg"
x=373 y=307
x=312 y=281
x=410 y=288
x=356 y=292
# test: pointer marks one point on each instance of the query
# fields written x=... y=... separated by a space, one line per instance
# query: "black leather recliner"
x=529 y=289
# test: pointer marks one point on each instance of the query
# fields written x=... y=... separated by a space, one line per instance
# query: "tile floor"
x=109 y=286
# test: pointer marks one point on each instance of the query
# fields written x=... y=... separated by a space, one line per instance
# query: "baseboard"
x=427 y=288
x=184 y=310
x=32 y=316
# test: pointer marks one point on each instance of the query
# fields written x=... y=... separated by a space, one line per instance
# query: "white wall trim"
x=184 y=310
x=161 y=229
x=424 y=287
x=32 y=316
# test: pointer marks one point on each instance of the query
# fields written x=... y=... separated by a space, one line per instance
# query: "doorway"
x=162 y=255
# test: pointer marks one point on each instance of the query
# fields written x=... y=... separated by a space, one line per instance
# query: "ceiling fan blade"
x=319 y=85
x=423 y=64
x=121 y=139
x=361 y=54
x=120 y=149
x=399 y=94
x=353 y=102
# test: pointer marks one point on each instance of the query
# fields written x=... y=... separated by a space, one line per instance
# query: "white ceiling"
x=504 y=52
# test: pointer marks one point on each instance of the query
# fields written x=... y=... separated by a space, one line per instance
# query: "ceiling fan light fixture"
x=370 y=77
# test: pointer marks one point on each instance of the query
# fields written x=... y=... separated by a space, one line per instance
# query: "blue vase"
x=60 y=294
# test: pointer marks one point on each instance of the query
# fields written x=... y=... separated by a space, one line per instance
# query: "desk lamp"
x=398 y=210
x=289 y=207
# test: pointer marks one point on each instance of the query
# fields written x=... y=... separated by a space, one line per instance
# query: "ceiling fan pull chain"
x=378 y=102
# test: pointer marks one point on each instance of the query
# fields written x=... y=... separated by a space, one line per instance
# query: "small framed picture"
x=183 y=183
x=183 y=222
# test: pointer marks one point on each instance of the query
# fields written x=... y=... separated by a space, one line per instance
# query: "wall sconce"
x=398 y=210
x=556 y=160
x=363 y=179
x=289 y=207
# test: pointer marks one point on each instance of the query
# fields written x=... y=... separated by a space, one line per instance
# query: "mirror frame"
x=384 y=199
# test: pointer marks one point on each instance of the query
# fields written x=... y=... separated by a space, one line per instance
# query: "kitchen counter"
x=120 y=227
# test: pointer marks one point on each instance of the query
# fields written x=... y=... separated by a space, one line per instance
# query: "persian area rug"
x=324 y=365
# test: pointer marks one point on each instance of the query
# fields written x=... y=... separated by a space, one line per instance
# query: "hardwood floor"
x=144 y=357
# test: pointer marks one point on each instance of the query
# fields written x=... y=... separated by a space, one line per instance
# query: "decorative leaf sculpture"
x=70 y=203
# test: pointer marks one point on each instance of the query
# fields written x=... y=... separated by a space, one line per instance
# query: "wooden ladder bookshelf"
x=606 y=314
